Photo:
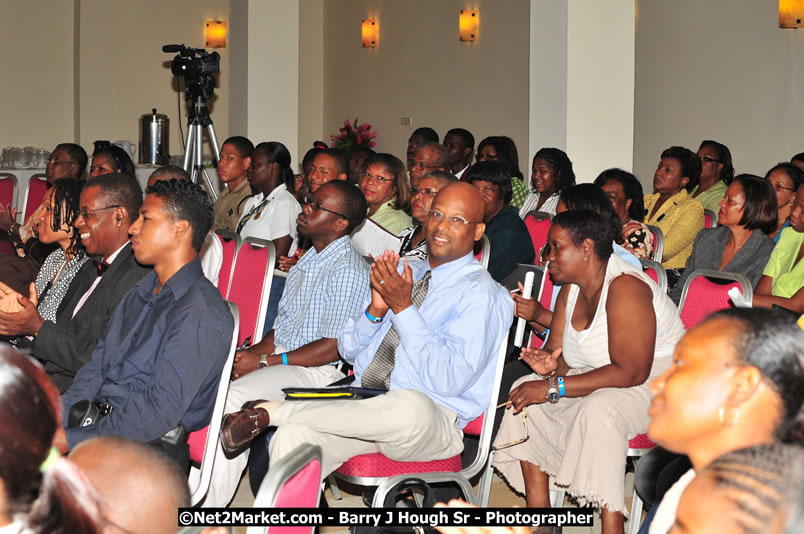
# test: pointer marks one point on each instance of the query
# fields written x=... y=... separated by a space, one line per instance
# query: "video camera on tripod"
x=197 y=67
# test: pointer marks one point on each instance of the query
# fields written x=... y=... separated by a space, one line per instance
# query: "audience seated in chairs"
x=67 y=160
x=670 y=208
x=42 y=492
x=140 y=488
x=233 y=165
x=782 y=282
x=717 y=173
x=593 y=372
x=736 y=381
x=108 y=206
x=20 y=316
x=503 y=150
x=625 y=194
x=155 y=371
x=329 y=285
x=740 y=242
x=110 y=159
x=785 y=179
x=387 y=193
x=552 y=174
x=414 y=245
x=507 y=234
x=429 y=157
x=442 y=371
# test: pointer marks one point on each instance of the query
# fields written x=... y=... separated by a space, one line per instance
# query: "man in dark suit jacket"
x=109 y=204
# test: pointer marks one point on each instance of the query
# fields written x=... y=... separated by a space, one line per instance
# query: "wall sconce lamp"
x=791 y=13
x=467 y=27
x=370 y=32
x=215 y=34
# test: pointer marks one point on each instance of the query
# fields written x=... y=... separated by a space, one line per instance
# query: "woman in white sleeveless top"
x=612 y=330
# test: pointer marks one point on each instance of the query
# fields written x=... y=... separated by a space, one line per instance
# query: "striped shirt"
x=323 y=290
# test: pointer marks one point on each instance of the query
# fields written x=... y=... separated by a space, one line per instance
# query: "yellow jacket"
x=680 y=218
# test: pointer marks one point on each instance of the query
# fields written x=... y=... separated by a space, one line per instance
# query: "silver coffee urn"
x=154 y=139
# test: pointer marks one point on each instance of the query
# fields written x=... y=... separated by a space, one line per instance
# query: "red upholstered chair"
x=231 y=243
x=538 y=224
x=483 y=248
x=377 y=470
x=8 y=189
x=294 y=482
x=34 y=194
x=656 y=273
x=703 y=295
x=250 y=287
x=204 y=443
x=710 y=219
x=658 y=243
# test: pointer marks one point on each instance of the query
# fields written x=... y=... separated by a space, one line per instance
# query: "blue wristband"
x=561 y=392
x=544 y=334
x=285 y=358
x=373 y=319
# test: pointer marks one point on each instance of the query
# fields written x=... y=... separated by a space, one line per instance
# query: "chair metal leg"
x=636 y=514
x=333 y=485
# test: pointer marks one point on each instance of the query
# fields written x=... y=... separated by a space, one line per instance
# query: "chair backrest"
x=294 y=482
x=204 y=443
x=539 y=214
x=658 y=242
x=250 y=286
x=483 y=425
x=485 y=251
x=34 y=194
x=703 y=295
x=710 y=219
x=656 y=272
x=8 y=189
x=538 y=229
x=231 y=242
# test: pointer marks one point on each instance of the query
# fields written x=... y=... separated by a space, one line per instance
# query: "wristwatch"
x=552 y=392
x=263 y=361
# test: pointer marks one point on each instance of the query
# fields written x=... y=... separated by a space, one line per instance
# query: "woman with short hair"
x=740 y=242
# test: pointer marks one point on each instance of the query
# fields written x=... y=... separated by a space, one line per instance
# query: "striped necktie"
x=378 y=373
x=253 y=212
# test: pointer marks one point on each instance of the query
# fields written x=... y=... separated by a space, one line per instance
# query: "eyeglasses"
x=316 y=206
x=453 y=221
x=55 y=162
x=421 y=165
x=709 y=159
x=377 y=178
x=779 y=187
x=426 y=192
x=84 y=213
x=485 y=191
x=524 y=422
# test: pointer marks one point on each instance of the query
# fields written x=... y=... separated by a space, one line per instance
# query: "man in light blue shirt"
x=443 y=366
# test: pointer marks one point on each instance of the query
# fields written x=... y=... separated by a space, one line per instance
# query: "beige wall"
x=124 y=73
x=421 y=70
x=720 y=69
x=37 y=94
x=311 y=77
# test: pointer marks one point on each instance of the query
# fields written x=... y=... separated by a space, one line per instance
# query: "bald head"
x=448 y=238
x=140 y=487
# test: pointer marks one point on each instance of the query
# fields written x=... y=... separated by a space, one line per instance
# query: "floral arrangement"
x=351 y=136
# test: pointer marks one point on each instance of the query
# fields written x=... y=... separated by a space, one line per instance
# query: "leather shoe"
x=239 y=428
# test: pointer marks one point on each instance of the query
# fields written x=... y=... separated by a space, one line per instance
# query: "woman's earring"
x=728 y=419
x=586 y=258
